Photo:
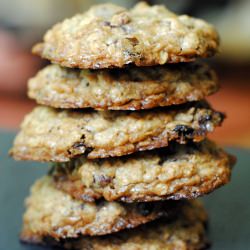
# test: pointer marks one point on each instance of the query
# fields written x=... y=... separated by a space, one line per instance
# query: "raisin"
x=184 y=131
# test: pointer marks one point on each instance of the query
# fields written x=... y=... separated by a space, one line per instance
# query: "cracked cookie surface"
x=111 y=36
x=53 y=213
x=175 y=172
x=49 y=134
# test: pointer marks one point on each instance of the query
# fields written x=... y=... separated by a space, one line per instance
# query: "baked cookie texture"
x=111 y=36
x=53 y=213
x=175 y=172
x=131 y=88
x=186 y=231
x=49 y=134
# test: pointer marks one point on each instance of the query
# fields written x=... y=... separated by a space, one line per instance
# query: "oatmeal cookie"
x=186 y=231
x=175 y=172
x=49 y=134
x=53 y=213
x=130 y=88
x=111 y=36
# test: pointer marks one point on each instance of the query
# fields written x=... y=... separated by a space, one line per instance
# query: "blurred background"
x=23 y=22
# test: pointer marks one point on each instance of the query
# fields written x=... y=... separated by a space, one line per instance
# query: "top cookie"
x=108 y=36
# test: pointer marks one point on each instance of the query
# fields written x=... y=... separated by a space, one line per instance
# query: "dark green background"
x=228 y=207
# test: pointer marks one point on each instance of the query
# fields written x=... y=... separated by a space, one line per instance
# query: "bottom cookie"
x=51 y=213
x=186 y=232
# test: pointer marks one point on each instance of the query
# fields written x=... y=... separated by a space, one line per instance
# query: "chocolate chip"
x=100 y=203
x=184 y=131
x=79 y=148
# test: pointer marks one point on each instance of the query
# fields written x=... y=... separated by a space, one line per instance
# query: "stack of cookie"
x=123 y=120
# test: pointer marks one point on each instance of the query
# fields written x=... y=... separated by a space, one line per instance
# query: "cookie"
x=53 y=213
x=175 y=172
x=49 y=134
x=132 y=88
x=109 y=36
x=186 y=231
